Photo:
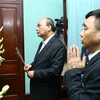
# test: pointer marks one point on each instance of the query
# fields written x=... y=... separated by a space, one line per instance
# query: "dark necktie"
x=87 y=60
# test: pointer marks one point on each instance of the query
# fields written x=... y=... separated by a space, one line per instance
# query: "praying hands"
x=74 y=59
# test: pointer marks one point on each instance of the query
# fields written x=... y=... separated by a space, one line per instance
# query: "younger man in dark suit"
x=83 y=81
x=45 y=71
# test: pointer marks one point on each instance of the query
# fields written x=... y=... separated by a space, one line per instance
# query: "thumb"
x=83 y=60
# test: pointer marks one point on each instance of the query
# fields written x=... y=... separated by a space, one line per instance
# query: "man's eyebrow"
x=38 y=24
x=84 y=25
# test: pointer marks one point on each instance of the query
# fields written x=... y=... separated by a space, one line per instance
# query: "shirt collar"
x=47 y=40
x=90 y=56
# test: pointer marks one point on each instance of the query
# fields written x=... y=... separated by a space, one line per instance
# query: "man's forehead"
x=90 y=19
x=42 y=21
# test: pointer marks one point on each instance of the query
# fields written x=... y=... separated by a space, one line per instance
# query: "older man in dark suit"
x=45 y=70
x=83 y=81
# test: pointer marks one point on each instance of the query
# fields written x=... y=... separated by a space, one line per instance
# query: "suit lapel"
x=47 y=46
x=37 y=53
x=94 y=59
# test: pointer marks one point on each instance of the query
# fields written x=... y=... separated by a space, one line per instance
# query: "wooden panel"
x=28 y=97
x=8 y=68
x=9 y=33
x=10 y=97
x=9 y=1
x=11 y=70
x=11 y=80
x=65 y=22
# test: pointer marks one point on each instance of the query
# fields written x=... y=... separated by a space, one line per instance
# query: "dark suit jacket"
x=86 y=87
x=48 y=65
x=85 y=52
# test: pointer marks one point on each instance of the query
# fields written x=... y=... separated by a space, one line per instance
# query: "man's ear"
x=49 y=27
x=99 y=36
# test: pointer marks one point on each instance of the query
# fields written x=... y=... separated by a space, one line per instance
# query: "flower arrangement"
x=1 y=46
x=6 y=87
x=4 y=90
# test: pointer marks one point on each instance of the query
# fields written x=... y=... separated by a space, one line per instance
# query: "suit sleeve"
x=57 y=60
x=76 y=91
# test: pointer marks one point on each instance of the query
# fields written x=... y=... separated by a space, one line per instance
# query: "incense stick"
x=18 y=52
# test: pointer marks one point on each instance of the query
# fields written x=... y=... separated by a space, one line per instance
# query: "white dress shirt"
x=90 y=56
x=45 y=42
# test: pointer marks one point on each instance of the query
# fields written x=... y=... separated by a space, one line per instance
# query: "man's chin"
x=38 y=35
x=83 y=45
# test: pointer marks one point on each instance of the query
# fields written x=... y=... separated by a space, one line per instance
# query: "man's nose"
x=81 y=33
x=36 y=29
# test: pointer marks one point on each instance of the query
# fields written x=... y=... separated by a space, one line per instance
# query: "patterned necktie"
x=43 y=44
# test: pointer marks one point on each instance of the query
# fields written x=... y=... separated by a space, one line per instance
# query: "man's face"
x=42 y=28
x=89 y=35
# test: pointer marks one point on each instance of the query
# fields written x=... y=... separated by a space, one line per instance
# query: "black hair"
x=51 y=23
x=95 y=13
